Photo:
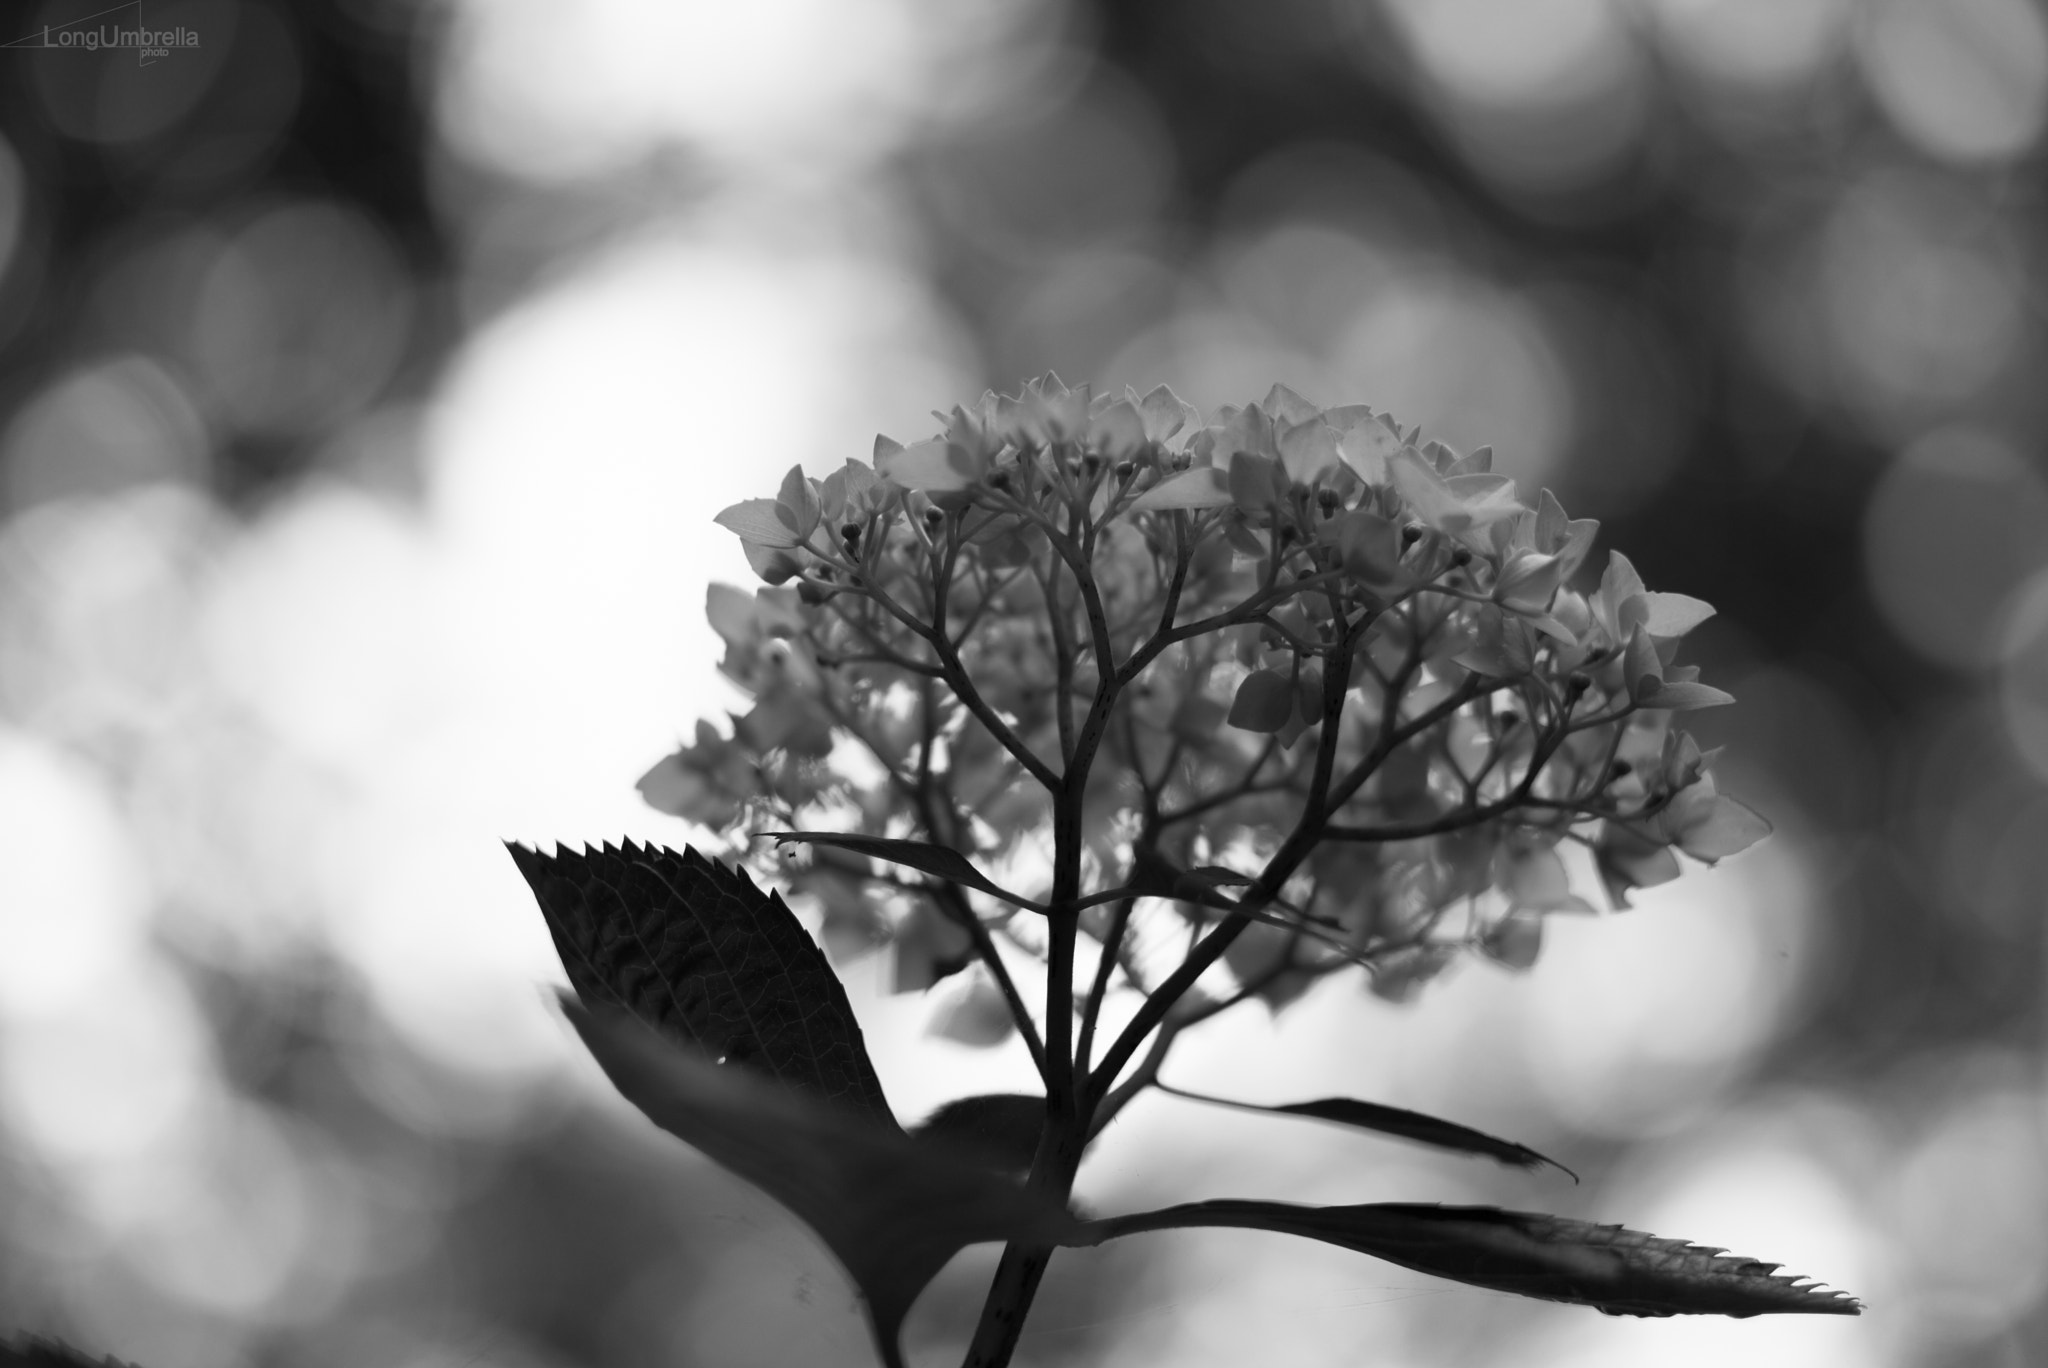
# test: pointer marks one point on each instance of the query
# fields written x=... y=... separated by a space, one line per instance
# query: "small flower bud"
x=1124 y=470
x=1326 y=499
x=851 y=533
x=1621 y=769
x=1461 y=557
x=919 y=504
x=1577 y=684
x=999 y=479
x=1411 y=534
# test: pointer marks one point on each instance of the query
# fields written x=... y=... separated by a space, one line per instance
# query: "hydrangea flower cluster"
x=1292 y=673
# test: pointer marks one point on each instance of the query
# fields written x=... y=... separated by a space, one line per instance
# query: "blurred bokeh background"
x=370 y=371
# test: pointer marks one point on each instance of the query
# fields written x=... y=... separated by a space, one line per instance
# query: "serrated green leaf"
x=891 y=1210
x=942 y=861
x=1622 y=1272
x=699 y=953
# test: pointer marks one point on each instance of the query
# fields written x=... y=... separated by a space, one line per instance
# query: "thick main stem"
x=1022 y=1266
x=1069 y=1107
x=1009 y=1301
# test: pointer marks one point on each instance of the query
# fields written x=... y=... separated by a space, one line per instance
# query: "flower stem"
x=1022 y=1266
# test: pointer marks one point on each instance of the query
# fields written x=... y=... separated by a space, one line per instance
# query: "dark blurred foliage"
x=1801 y=333
x=318 y=102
